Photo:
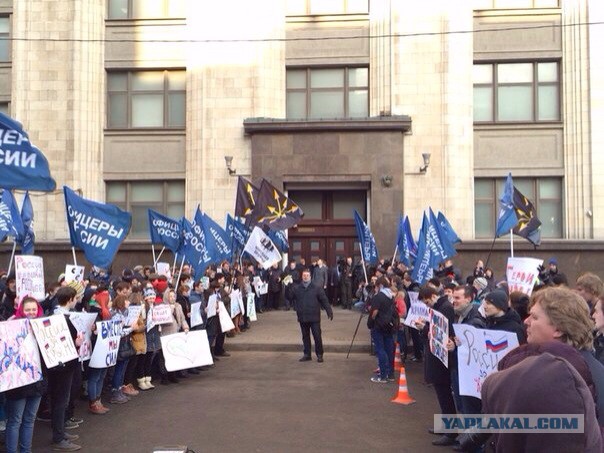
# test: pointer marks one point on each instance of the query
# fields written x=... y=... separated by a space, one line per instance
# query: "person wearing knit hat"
x=79 y=288
x=500 y=316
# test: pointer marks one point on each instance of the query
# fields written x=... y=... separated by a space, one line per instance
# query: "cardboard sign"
x=251 y=307
x=205 y=282
x=54 y=339
x=83 y=323
x=74 y=273
x=439 y=336
x=226 y=324
x=522 y=274
x=164 y=269
x=196 y=319
x=236 y=303
x=418 y=310
x=107 y=344
x=161 y=314
x=134 y=311
x=478 y=355
x=29 y=274
x=186 y=350
x=212 y=305
x=20 y=364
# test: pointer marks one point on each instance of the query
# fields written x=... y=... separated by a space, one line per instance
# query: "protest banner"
x=134 y=311
x=83 y=323
x=212 y=305
x=196 y=319
x=162 y=314
x=54 y=339
x=439 y=336
x=251 y=307
x=74 y=273
x=418 y=310
x=478 y=354
x=260 y=246
x=164 y=269
x=107 y=344
x=29 y=274
x=226 y=324
x=20 y=364
x=522 y=274
x=186 y=350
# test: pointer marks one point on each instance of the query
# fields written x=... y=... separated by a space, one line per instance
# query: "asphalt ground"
x=264 y=400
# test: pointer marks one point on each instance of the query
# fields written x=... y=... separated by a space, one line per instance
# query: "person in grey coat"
x=308 y=300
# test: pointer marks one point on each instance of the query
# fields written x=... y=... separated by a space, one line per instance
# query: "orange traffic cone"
x=403 y=396
x=397 y=358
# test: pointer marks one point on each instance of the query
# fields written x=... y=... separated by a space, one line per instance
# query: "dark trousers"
x=219 y=345
x=315 y=328
x=346 y=293
x=274 y=300
x=418 y=343
x=76 y=391
x=59 y=389
x=131 y=368
x=143 y=365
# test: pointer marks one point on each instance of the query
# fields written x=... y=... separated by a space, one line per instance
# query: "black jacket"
x=509 y=322
x=308 y=302
x=434 y=370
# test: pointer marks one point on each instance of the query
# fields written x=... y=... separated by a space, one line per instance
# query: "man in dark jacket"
x=308 y=300
x=501 y=317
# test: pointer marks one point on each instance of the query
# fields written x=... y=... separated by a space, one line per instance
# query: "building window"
x=318 y=7
x=167 y=197
x=515 y=4
x=4 y=39
x=146 y=9
x=327 y=93
x=146 y=99
x=517 y=92
x=544 y=193
x=5 y=108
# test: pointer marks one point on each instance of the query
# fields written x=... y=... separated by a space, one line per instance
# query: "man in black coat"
x=308 y=300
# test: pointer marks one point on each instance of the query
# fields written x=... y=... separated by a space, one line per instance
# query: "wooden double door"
x=330 y=249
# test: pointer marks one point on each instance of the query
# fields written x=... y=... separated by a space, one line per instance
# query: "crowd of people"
x=555 y=327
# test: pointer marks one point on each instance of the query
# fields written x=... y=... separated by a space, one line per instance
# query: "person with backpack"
x=383 y=322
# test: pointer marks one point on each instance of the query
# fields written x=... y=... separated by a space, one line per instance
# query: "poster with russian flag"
x=478 y=354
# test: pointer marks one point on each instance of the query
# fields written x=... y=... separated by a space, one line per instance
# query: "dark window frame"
x=131 y=13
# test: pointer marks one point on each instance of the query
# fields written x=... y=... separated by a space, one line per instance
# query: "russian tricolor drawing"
x=496 y=346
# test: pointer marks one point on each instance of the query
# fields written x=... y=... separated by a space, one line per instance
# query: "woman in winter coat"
x=178 y=323
x=137 y=339
x=22 y=403
x=99 y=304
x=153 y=343
x=119 y=312
x=598 y=317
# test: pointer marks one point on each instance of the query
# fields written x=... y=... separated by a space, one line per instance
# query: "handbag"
x=125 y=350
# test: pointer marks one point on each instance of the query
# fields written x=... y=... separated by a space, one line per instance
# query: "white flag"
x=260 y=246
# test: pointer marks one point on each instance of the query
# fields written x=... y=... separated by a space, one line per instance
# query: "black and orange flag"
x=529 y=225
x=247 y=193
x=275 y=210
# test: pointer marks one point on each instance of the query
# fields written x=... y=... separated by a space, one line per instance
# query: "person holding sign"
x=22 y=403
x=178 y=323
x=500 y=316
x=119 y=312
x=100 y=305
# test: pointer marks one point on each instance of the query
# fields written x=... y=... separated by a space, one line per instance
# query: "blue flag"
x=22 y=165
x=422 y=268
x=406 y=245
x=10 y=218
x=238 y=232
x=447 y=229
x=440 y=240
x=368 y=247
x=280 y=239
x=96 y=228
x=165 y=230
x=194 y=244
x=218 y=241
x=507 y=218
x=27 y=216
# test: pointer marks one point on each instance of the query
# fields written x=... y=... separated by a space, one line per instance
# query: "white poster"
x=196 y=319
x=212 y=305
x=236 y=303
x=74 y=273
x=83 y=323
x=161 y=314
x=417 y=311
x=20 y=364
x=260 y=246
x=205 y=282
x=522 y=274
x=251 y=307
x=164 y=269
x=54 y=339
x=478 y=355
x=186 y=350
x=226 y=324
x=108 y=334
x=134 y=311
x=438 y=336
x=29 y=274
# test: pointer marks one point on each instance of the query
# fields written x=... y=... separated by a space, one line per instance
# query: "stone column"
x=58 y=93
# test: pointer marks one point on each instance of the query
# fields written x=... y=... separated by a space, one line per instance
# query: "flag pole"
x=153 y=251
x=512 y=242
x=174 y=265
x=75 y=262
x=159 y=256
x=12 y=257
x=394 y=256
x=490 y=252
x=364 y=267
x=182 y=263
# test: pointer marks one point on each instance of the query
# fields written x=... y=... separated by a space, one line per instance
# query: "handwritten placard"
x=196 y=319
x=20 y=358
x=417 y=311
x=235 y=302
x=161 y=314
x=251 y=307
x=212 y=305
x=478 y=355
x=439 y=336
x=134 y=311
x=54 y=339
x=74 y=273
x=522 y=274
x=226 y=324
x=29 y=274
x=186 y=350
x=107 y=344
x=83 y=323
x=164 y=269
